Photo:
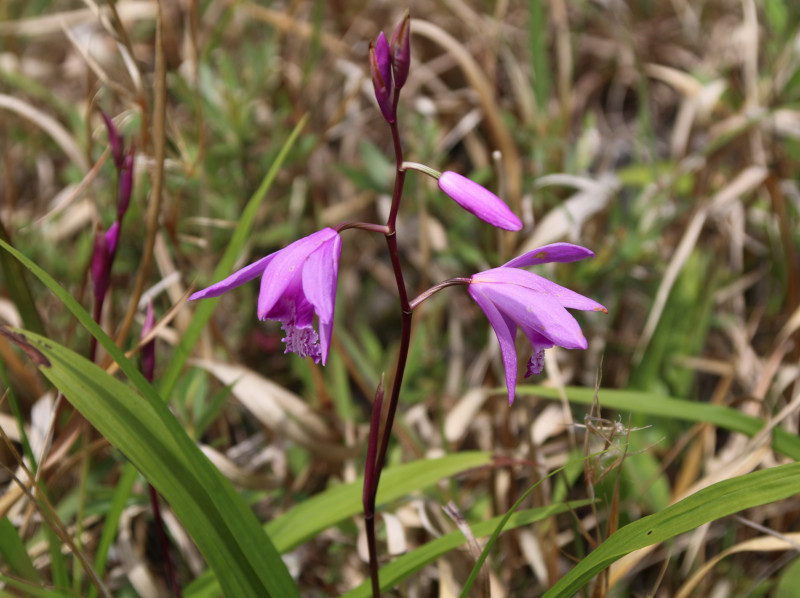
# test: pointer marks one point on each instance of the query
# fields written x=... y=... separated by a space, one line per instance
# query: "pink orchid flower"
x=296 y=282
x=513 y=298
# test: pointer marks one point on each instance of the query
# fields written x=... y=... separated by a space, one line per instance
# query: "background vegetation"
x=665 y=136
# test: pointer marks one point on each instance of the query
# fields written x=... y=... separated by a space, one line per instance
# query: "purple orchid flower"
x=296 y=282
x=511 y=297
x=479 y=200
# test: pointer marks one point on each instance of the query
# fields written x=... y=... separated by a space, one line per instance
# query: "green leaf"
x=336 y=504
x=220 y=522
x=716 y=501
x=14 y=554
x=224 y=529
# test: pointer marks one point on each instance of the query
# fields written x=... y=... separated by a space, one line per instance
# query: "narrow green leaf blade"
x=719 y=500
x=224 y=529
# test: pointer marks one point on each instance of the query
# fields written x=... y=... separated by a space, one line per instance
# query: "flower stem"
x=374 y=468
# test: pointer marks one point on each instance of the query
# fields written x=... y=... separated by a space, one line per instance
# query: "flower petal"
x=285 y=271
x=555 y=252
x=480 y=201
x=534 y=282
x=236 y=279
x=531 y=309
x=506 y=331
x=320 y=274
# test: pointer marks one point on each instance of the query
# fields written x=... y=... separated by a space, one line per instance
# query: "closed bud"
x=400 y=45
x=380 y=63
x=101 y=265
x=114 y=140
x=125 y=185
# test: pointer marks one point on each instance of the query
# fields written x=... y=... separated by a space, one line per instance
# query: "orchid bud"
x=480 y=201
x=381 y=66
x=125 y=183
x=149 y=350
x=114 y=139
x=400 y=45
x=112 y=240
x=101 y=265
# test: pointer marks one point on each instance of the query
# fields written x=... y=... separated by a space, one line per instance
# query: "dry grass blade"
x=762 y=544
x=49 y=125
x=284 y=413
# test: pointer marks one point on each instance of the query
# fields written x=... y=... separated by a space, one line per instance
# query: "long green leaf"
x=719 y=500
x=405 y=566
x=223 y=528
x=653 y=404
x=258 y=569
x=337 y=504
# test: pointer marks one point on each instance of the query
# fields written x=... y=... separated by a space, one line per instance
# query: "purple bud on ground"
x=380 y=63
x=480 y=201
x=114 y=139
x=400 y=45
x=149 y=350
x=125 y=186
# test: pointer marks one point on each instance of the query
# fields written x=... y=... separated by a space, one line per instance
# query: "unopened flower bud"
x=101 y=266
x=480 y=201
x=400 y=45
x=125 y=185
x=114 y=139
x=380 y=63
x=112 y=240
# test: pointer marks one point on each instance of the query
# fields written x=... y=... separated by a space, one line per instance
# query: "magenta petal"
x=506 y=330
x=286 y=270
x=555 y=252
x=534 y=282
x=478 y=200
x=537 y=311
x=320 y=274
x=236 y=279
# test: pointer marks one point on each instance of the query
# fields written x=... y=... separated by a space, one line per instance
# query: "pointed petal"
x=534 y=282
x=320 y=275
x=506 y=330
x=282 y=276
x=555 y=252
x=480 y=201
x=236 y=279
x=531 y=309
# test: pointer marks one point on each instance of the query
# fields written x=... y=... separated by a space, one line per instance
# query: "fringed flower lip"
x=297 y=282
x=513 y=298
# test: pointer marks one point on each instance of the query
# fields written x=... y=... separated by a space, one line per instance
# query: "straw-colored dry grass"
x=662 y=135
